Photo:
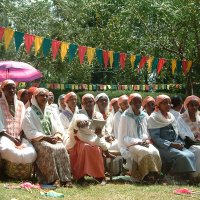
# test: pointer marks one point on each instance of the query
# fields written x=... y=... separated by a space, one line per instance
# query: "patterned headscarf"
x=191 y=98
x=160 y=99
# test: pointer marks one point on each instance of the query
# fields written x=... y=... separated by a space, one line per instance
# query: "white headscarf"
x=96 y=107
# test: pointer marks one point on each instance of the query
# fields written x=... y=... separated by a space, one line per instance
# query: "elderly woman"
x=70 y=110
x=134 y=142
x=22 y=95
x=85 y=152
x=102 y=106
x=165 y=136
x=148 y=104
x=123 y=105
x=114 y=107
x=189 y=128
x=61 y=103
x=40 y=127
x=14 y=148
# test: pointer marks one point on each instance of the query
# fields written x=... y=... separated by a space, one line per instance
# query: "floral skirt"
x=52 y=162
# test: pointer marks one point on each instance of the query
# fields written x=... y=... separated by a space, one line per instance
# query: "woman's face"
x=124 y=105
x=165 y=105
x=102 y=103
x=193 y=106
x=88 y=104
x=24 y=97
x=150 y=106
x=42 y=98
x=9 y=90
x=115 y=106
x=62 y=103
x=72 y=102
x=136 y=103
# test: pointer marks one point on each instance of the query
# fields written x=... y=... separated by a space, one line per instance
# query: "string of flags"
x=102 y=87
x=106 y=58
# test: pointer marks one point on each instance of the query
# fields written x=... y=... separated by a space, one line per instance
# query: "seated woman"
x=165 y=136
x=148 y=105
x=134 y=142
x=84 y=143
x=14 y=148
x=189 y=128
x=40 y=127
x=22 y=95
x=102 y=106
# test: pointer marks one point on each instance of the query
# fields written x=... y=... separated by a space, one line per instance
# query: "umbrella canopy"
x=18 y=71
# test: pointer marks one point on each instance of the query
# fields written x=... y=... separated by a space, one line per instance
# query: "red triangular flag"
x=81 y=53
x=105 y=58
x=122 y=60
x=161 y=62
x=184 y=66
x=55 y=45
x=1 y=33
x=28 y=40
x=142 y=62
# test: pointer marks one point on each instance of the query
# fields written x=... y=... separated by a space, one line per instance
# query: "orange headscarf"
x=190 y=98
x=160 y=99
x=147 y=100
x=132 y=96
x=68 y=95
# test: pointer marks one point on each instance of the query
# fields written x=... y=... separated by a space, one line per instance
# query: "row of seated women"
x=63 y=145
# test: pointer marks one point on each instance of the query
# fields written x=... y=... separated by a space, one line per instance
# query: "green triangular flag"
x=18 y=39
x=99 y=54
x=116 y=60
x=178 y=66
x=154 y=64
x=137 y=60
x=46 y=45
x=71 y=52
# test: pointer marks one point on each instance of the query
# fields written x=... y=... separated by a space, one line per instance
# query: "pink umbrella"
x=18 y=71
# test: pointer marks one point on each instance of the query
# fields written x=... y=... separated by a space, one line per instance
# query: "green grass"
x=111 y=191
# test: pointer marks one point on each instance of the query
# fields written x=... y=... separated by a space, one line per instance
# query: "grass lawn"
x=111 y=191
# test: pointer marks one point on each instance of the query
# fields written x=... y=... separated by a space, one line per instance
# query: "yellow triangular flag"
x=90 y=54
x=149 y=62
x=8 y=35
x=189 y=65
x=173 y=65
x=110 y=53
x=38 y=43
x=63 y=50
x=90 y=87
x=132 y=59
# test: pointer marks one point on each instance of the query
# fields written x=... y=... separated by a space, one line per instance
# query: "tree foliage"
x=161 y=28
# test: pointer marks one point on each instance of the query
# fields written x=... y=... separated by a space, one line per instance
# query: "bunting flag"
x=122 y=60
x=19 y=36
x=154 y=64
x=46 y=46
x=137 y=60
x=150 y=61
x=1 y=33
x=173 y=65
x=99 y=55
x=81 y=53
x=28 y=40
x=161 y=63
x=178 y=66
x=184 y=66
x=105 y=58
x=38 y=44
x=189 y=65
x=116 y=60
x=63 y=50
x=8 y=35
x=55 y=45
x=132 y=59
x=72 y=51
x=111 y=58
x=90 y=54
x=142 y=62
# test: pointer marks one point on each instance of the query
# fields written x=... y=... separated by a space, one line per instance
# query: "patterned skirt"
x=52 y=162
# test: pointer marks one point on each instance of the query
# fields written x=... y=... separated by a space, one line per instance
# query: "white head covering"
x=96 y=107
